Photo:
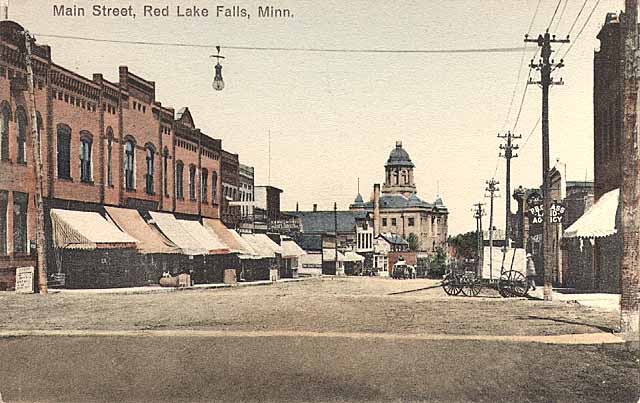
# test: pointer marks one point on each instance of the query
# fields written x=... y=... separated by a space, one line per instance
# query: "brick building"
x=103 y=144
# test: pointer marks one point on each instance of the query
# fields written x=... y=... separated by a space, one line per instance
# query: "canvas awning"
x=245 y=248
x=206 y=238
x=173 y=229
x=291 y=249
x=224 y=234
x=351 y=256
x=329 y=255
x=87 y=230
x=262 y=247
x=150 y=240
x=599 y=220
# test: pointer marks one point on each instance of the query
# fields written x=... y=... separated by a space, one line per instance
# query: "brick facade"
x=131 y=143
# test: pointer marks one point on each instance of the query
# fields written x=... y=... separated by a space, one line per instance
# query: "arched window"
x=395 y=177
x=109 y=156
x=165 y=170
x=129 y=165
x=151 y=152
x=64 y=151
x=85 y=157
x=214 y=187
x=192 y=182
x=204 y=179
x=4 y=133
x=39 y=123
x=405 y=177
x=178 y=180
x=21 y=120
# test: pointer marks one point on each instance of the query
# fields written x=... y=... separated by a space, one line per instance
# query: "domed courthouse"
x=397 y=209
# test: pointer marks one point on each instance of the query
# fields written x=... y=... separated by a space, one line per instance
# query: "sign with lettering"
x=535 y=208
x=24 y=279
x=556 y=212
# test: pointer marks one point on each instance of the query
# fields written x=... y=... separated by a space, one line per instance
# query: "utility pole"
x=629 y=200
x=508 y=155
x=545 y=66
x=478 y=213
x=5 y=9
x=492 y=188
x=335 y=226
x=37 y=168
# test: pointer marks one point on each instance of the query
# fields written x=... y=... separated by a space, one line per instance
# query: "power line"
x=535 y=13
x=554 y=14
x=564 y=8
x=530 y=134
x=285 y=49
x=577 y=16
x=581 y=29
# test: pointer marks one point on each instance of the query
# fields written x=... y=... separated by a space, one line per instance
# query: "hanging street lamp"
x=218 y=82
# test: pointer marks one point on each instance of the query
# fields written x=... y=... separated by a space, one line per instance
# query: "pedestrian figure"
x=531 y=272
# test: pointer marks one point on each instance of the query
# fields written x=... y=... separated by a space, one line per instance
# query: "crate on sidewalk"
x=229 y=276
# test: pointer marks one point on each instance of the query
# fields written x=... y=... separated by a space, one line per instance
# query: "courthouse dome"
x=399 y=157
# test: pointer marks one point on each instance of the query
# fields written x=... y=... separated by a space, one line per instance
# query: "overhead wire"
x=564 y=8
x=286 y=49
x=595 y=6
x=554 y=14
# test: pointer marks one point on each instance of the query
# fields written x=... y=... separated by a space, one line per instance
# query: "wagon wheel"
x=471 y=285
x=513 y=284
x=450 y=285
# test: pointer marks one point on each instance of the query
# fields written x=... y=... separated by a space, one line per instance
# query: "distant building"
x=397 y=208
x=246 y=191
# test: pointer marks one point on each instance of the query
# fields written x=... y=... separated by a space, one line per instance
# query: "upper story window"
x=204 y=179
x=4 y=133
x=129 y=165
x=165 y=170
x=214 y=187
x=21 y=120
x=384 y=222
x=178 y=180
x=411 y=221
x=192 y=182
x=150 y=167
x=85 y=157
x=64 y=151
x=394 y=222
x=109 y=157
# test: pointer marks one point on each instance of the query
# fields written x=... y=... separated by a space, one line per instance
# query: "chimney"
x=315 y=207
x=376 y=210
x=297 y=207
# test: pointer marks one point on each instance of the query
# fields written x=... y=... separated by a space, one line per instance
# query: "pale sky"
x=335 y=117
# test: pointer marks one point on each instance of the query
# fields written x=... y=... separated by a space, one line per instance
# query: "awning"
x=599 y=220
x=224 y=234
x=269 y=243
x=260 y=246
x=351 y=256
x=291 y=249
x=329 y=255
x=87 y=230
x=173 y=229
x=246 y=250
x=150 y=240
x=206 y=238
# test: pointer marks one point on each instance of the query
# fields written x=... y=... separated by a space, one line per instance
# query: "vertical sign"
x=24 y=280
x=556 y=212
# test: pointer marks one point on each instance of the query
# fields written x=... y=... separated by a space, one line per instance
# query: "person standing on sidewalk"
x=531 y=272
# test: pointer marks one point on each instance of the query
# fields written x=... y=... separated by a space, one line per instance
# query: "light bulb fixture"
x=218 y=82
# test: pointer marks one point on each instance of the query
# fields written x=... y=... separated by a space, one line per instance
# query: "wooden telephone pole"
x=477 y=214
x=629 y=200
x=508 y=149
x=545 y=66
x=492 y=188
x=37 y=168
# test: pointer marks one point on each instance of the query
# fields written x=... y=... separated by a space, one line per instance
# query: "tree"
x=414 y=242
x=438 y=264
x=464 y=245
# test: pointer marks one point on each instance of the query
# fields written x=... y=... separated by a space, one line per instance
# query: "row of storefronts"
x=127 y=247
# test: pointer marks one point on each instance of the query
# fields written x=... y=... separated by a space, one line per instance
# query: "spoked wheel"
x=450 y=285
x=471 y=285
x=513 y=284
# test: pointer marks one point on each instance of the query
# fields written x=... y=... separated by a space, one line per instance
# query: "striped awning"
x=87 y=230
